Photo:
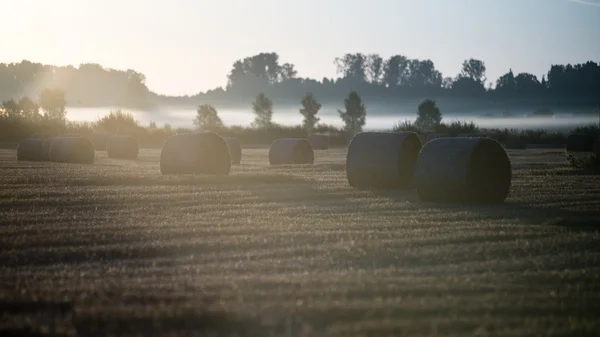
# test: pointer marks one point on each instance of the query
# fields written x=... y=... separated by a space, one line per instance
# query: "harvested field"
x=117 y=248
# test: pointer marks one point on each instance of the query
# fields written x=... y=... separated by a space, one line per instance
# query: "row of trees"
x=88 y=84
x=399 y=74
x=372 y=75
x=354 y=115
x=52 y=104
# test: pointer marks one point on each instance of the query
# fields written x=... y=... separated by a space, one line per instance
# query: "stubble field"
x=117 y=248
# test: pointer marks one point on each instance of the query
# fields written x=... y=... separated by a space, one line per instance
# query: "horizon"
x=166 y=51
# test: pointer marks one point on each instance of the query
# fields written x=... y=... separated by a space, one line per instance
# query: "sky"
x=187 y=46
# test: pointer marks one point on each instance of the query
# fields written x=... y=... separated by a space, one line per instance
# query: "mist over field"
x=379 y=116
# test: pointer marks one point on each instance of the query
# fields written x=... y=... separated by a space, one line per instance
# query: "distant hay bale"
x=597 y=147
x=434 y=135
x=122 y=147
x=195 y=153
x=75 y=150
x=291 y=151
x=468 y=170
x=30 y=149
x=319 y=142
x=382 y=159
x=235 y=149
x=514 y=142
x=579 y=142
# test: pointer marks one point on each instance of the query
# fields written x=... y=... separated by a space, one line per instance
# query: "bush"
x=587 y=163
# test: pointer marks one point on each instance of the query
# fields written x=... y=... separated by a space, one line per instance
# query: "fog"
x=377 y=118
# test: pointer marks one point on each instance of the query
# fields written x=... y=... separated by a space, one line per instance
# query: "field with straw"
x=117 y=248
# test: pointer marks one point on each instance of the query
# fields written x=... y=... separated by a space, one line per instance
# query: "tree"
x=352 y=66
x=374 y=68
x=395 y=71
x=310 y=108
x=428 y=116
x=474 y=69
x=29 y=109
x=11 y=108
x=207 y=118
x=263 y=109
x=118 y=122
x=53 y=102
x=355 y=114
x=287 y=72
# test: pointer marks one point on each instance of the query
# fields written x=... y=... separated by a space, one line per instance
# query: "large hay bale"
x=435 y=135
x=235 y=149
x=47 y=145
x=597 y=147
x=382 y=159
x=195 y=153
x=514 y=142
x=580 y=142
x=319 y=142
x=75 y=150
x=30 y=149
x=122 y=147
x=291 y=151
x=469 y=170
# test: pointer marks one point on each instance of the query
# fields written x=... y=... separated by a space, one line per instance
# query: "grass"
x=116 y=248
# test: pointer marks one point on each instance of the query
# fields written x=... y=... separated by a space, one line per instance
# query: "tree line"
x=370 y=74
x=88 y=84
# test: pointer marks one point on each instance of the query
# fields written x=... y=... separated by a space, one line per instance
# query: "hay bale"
x=434 y=135
x=47 y=145
x=597 y=147
x=122 y=147
x=579 y=142
x=514 y=142
x=235 y=149
x=75 y=150
x=382 y=159
x=195 y=153
x=291 y=151
x=469 y=170
x=30 y=149
x=319 y=142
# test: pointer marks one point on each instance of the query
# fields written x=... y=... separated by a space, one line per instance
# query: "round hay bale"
x=579 y=142
x=319 y=142
x=434 y=135
x=514 y=142
x=75 y=150
x=122 y=147
x=468 y=170
x=48 y=144
x=597 y=147
x=382 y=159
x=235 y=149
x=291 y=151
x=195 y=153
x=30 y=149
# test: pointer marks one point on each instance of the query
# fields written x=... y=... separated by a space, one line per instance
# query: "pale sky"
x=187 y=46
